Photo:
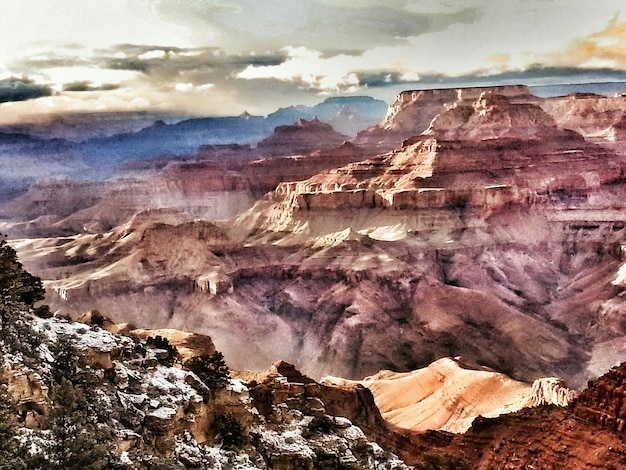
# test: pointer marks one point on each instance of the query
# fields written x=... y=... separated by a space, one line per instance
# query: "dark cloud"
x=89 y=86
x=176 y=61
x=546 y=81
x=380 y=79
x=21 y=89
x=127 y=64
x=328 y=53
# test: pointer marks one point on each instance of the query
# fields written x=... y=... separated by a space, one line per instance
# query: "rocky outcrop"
x=158 y=407
x=350 y=400
x=591 y=115
x=28 y=389
x=412 y=112
x=449 y=395
x=266 y=173
x=494 y=116
x=493 y=153
x=59 y=208
x=302 y=137
x=551 y=391
x=604 y=401
x=588 y=433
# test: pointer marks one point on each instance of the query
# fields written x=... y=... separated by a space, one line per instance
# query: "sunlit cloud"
x=604 y=49
x=223 y=56
x=94 y=75
x=333 y=74
x=158 y=54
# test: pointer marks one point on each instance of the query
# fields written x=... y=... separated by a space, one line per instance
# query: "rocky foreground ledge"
x=161 y=411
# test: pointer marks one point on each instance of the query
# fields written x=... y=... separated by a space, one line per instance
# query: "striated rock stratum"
x=482 y=223
x=449 y=395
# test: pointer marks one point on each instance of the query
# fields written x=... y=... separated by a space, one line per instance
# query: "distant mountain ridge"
x=346 y=115
x=28 y=155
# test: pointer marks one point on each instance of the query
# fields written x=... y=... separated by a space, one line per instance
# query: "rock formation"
x=604 y=401
x=301 y=137
x=162 y=408
x=488 y=221
x=586 y=434
x=448 y=395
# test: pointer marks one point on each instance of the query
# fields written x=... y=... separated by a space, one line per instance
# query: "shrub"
x=16 y=284
x=323 y=424
x=159 y=342
x=229 y=430
x=211 y=369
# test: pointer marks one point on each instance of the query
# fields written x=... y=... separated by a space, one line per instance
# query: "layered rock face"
x=413 y=111
x=449 y=395
x=489 y=154
x=301 y=137
x=60 y=207
x=591 y=115
x=604 y=400
x=495 y=234
x=587 y=434
x=162 y=408
x=217 y=182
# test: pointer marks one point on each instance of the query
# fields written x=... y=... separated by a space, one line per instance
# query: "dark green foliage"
x=323 y=424
x=79 y=420
x=163 y=343
x=17 y=336
x=16 y=284
x=229 y=430
x=19 y=290
x=211 y=369
x=442 y=462
x=67 y=365
x=79 y=440
x=142 y=459
x=11 y=453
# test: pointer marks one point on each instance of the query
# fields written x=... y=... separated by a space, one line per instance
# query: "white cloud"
x=156 y=54
x=29 y=25
x=96 y=76
x=400 y=39
x=184 y=87
x=410 y=77
x=333 y=74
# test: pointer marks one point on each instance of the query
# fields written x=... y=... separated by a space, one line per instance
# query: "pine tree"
x=79 y=421
x=11 y=452
x=16 y=284
x=19 y=290
x=80 y=441
x=211 y=368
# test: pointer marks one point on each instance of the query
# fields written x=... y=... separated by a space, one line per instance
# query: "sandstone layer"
x=449 y=395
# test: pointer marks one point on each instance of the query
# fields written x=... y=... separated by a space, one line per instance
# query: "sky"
x=221 y=57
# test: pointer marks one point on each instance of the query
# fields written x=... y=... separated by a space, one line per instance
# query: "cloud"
x=604 y=49
x=21 y=89
x=83 y=86
x=260 y=54
x=243 y=25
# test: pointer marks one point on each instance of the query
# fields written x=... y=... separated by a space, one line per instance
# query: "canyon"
x=470 y=247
